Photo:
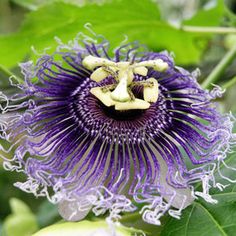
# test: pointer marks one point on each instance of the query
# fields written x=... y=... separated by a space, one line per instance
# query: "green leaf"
x=207 y=219
x=230 y=14
x=210 y=17
x=30 y=4
x=135 y=220
x=35 y=4
x=47 y=214
x=21 y=222
x=230 y=41
x=1 y=229
x=19 y=207
x=20 y=225
x=139 y=20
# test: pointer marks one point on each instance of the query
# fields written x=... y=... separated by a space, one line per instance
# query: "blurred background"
x=26 y=23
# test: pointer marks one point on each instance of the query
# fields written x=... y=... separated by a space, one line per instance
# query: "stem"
x=130 y=217
x=229 y=83
x=220 y=68
x=8 y=73
x=208 y=30
x=5 y=16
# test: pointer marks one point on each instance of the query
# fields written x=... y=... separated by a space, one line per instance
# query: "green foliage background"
x=26 y=23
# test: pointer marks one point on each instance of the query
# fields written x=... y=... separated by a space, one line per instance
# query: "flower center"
x=120 y=93
x=126 y=115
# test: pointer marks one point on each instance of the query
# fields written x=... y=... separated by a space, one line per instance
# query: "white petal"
x=70 y=210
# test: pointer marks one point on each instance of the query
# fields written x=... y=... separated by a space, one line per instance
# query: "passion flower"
x=100 y=132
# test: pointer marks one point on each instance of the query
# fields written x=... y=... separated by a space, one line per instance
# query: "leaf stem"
x=229 y=83
x=208 y=30
x=130 y=217
x=220 y=67
x=8 y=73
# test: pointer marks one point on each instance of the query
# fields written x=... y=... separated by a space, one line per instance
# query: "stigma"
x=120 y=93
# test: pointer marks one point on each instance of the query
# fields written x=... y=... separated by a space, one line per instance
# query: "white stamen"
x=150 y=94
x=99 y=74
x=123 y=64
x=90 y=62
x=141 y=70
x=157 y=64
x=123 y=73
x=135 y=104
x=104 y=97
x=121 y=92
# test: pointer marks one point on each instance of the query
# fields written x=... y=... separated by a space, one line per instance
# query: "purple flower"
x=96 y=132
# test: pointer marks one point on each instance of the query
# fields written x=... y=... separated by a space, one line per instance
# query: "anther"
x=120 y=95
